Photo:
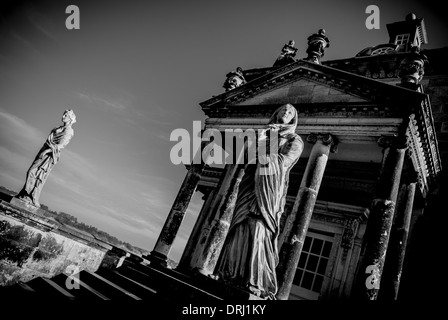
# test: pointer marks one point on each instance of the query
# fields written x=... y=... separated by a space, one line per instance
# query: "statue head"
x=286 y=114
x=69 y=117
x=286 y=117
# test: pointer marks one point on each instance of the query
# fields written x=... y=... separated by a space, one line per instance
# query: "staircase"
x=131 y=281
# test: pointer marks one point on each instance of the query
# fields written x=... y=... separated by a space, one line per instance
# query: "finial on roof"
x=411 y=16
x=287 y=55
x=317 y=43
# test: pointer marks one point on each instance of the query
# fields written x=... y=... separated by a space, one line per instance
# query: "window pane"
x=317 y=283
x=402 y=39
x=307 y=280
x=306 y=245
x=322 y=265
x=317 y=246
x=297 y=277
x=302 y=260
x=312 y=263
x=327 y=249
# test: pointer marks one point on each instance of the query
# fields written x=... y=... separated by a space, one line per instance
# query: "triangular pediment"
x=304 y=82
x=302 y=91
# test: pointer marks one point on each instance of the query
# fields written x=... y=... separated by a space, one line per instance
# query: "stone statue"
x=46 y=158
x=250 y=254
x=412 y=68
x=287 y=55
x=234 y=79
x=316 y=46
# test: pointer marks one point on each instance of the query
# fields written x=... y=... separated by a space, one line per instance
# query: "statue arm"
x=291 y=153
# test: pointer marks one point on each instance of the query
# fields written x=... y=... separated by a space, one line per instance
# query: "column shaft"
x=193 y=240
x=220 y=226
x=302 y=211
x=159 y=255
x=380 y=222
x=172 y=223
x=393 y=266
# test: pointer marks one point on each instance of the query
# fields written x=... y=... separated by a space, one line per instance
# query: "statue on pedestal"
x=46 y=158
x=287 y=55
x=250 y=253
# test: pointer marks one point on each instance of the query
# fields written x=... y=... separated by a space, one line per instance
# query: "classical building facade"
x=375 y=131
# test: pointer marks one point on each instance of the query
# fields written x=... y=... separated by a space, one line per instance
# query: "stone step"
x=44 y=287
x=83 y=291
x=103 y=285
x=136 y=281
x=212 y=286
x=19 y=290
x=126 y=282
x=168 y=285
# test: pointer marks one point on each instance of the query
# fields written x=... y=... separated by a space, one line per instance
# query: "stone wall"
x=32 y=245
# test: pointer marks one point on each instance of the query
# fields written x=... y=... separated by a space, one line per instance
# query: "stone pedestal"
x=27 y=206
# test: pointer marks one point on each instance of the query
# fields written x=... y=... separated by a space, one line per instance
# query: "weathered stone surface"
x=176 y=215
x=390 y=282
x=33 y=246
x=379 y=225
x=220 y=229
x=302 y=212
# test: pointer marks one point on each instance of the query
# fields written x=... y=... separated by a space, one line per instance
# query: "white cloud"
x=105 y=103
x=41 y=23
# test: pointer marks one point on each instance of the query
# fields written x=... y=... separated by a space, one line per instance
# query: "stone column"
x=302 y=211
x=393 y=266
x=184 y=263
x=159 y=255
x=220 y=226
x=380 y=218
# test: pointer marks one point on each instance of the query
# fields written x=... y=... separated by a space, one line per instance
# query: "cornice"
x=353 y=84
x=423 y=146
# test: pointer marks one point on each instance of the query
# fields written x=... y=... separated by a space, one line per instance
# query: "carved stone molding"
x=339 y=80
x=349 y=234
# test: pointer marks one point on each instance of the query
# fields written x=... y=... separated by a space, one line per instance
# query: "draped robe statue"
x=250 y=253
x=46 y=158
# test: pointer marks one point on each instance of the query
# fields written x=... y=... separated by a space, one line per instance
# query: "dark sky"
x=134 y=72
